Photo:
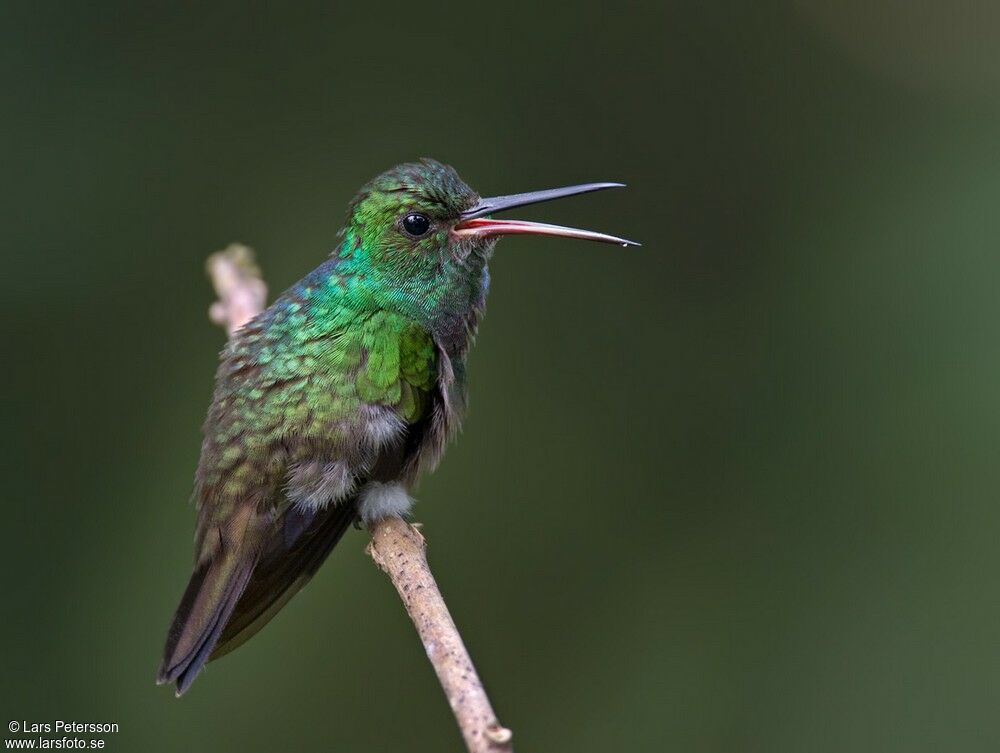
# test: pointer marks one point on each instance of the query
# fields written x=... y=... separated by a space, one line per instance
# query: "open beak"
x=474 y=224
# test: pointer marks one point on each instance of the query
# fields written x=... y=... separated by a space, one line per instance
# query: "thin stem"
x=399 y=549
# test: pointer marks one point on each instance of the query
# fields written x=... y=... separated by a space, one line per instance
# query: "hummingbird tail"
x=235 y=593
x=209 y=600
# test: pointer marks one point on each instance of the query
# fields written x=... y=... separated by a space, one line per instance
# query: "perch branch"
x=396 y=547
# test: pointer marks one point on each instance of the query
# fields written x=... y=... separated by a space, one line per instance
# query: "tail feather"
x=205 y=608
x=233 y=595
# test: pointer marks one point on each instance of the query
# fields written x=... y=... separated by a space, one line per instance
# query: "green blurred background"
x=733 y=491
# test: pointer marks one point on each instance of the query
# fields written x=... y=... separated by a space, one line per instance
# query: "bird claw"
x=415 y=527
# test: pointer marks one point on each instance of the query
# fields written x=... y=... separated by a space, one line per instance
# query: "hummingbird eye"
x=416 y=224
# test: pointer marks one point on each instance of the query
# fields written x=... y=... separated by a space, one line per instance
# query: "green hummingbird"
x=330 y=404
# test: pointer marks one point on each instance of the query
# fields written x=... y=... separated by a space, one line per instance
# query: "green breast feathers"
x=314 y=399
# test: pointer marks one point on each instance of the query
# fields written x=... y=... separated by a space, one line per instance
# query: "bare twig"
x=397 y=547
x=239 y=285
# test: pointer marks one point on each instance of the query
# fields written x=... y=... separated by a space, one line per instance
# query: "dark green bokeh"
x=733 y=491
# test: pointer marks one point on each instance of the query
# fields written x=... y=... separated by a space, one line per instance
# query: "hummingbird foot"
x=415 y=527
x=379 y=500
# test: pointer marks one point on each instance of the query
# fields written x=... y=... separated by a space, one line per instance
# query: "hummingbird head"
x=420 y=237
x=404 y=217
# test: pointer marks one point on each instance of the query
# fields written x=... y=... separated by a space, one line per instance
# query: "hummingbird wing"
x=288 y=563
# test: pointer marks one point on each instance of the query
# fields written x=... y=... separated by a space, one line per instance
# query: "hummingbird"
x=331 y=403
